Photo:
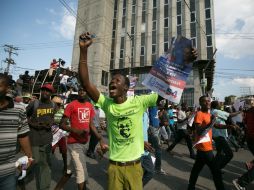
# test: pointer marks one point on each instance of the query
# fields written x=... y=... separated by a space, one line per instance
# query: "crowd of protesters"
x=137 y=126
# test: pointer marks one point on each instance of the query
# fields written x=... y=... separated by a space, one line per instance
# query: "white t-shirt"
x=182 y=116
x=64 y=79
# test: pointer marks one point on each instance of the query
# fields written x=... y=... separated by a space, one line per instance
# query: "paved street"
x=178 y=166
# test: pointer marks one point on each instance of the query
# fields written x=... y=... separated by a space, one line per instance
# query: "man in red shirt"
x=80 y=113
x=204 y=146
x=243 y=181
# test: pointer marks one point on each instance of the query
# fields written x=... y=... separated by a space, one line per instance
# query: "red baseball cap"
x=48 y=87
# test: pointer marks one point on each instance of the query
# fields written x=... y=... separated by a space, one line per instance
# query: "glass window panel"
x=178 y=8
x=179 y=20
x=166 y=22
x=153 y=37
x=193 y=17
x=207 y=4
x=154 y=14
x=165 y=11
x=209 y=41
x=208 y=26
x=207 y=13
x=193 y=29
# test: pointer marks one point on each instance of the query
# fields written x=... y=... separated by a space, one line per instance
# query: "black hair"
x=202 y=97
x=214 y=104
x=5 y=78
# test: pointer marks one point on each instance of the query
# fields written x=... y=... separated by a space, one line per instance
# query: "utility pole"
x=203 y=82
x=11 y=50
x=131 y=57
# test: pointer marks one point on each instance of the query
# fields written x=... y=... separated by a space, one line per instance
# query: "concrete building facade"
x=132 y=34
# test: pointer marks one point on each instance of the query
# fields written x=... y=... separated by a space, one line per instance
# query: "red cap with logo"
x=48 y=87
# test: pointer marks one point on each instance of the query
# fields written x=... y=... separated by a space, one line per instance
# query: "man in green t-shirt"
x=124 y=118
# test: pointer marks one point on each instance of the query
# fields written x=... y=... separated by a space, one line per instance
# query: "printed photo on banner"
x=169 y=74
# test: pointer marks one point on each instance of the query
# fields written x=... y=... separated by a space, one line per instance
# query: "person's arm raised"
x=85 y=41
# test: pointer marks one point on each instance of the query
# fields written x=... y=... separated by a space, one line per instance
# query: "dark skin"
x=205 y=104
x=24 y=140
x=82 y=98
x=117 y=86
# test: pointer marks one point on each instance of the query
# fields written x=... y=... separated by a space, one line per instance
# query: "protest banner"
x=169 y=74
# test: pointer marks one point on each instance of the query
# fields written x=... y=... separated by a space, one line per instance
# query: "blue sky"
x=44 y=30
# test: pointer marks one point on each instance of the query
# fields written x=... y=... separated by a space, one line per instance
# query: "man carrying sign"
x=204 y=146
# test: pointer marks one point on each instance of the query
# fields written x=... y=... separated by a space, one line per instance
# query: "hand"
x=194 y=54
x=30 y=162
x=85 y=40
x=148 y=147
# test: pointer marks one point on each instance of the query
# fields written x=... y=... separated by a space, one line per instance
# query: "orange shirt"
x=203 y=119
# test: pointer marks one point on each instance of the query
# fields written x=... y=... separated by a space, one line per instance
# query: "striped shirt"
x=13 y=124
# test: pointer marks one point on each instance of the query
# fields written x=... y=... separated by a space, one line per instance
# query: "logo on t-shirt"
x=124 y=124
x=83 y=115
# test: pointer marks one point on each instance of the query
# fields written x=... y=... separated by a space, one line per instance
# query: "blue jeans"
x=8 y=182
x=147 y=165
x=154 y=140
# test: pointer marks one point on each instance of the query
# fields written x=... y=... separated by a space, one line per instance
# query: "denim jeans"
x=8 y=182
x=154 y=140
x=224 y=152
x=148 y=168
x=207 y=158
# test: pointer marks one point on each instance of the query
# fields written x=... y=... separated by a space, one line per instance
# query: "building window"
x=123 y=22
x=166 y=22
x=132 y=30
x=153 y=37
x=207 y=4
x=192 y=5
x=142 y=39
x=166 y=33
x=154 y=3
x=121 y=53
x=179 y=19
x=154 y=25
x=133 y=2
x=208 y=13
x=165 y=46
x=179 y=30
x=133 y=9
x=120 y=63
x=178 y=8
x=209 y=41
x=142 y=50
x=112 y=64
x=193 y=29
x=114 y=24
x=104 y=78
x=209 y=52
x=165 y=11
x=208 y=26
x=165 y=2
x=153 y=49
x=155 y=14
x=193 y=16
x=142 y=60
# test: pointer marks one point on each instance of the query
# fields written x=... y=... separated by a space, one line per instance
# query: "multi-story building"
x=132 y=34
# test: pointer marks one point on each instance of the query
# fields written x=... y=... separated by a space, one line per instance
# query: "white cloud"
x=66 y=26
x=52 y=11
x=246 y=82
x=236 y=19
x=40 y=21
